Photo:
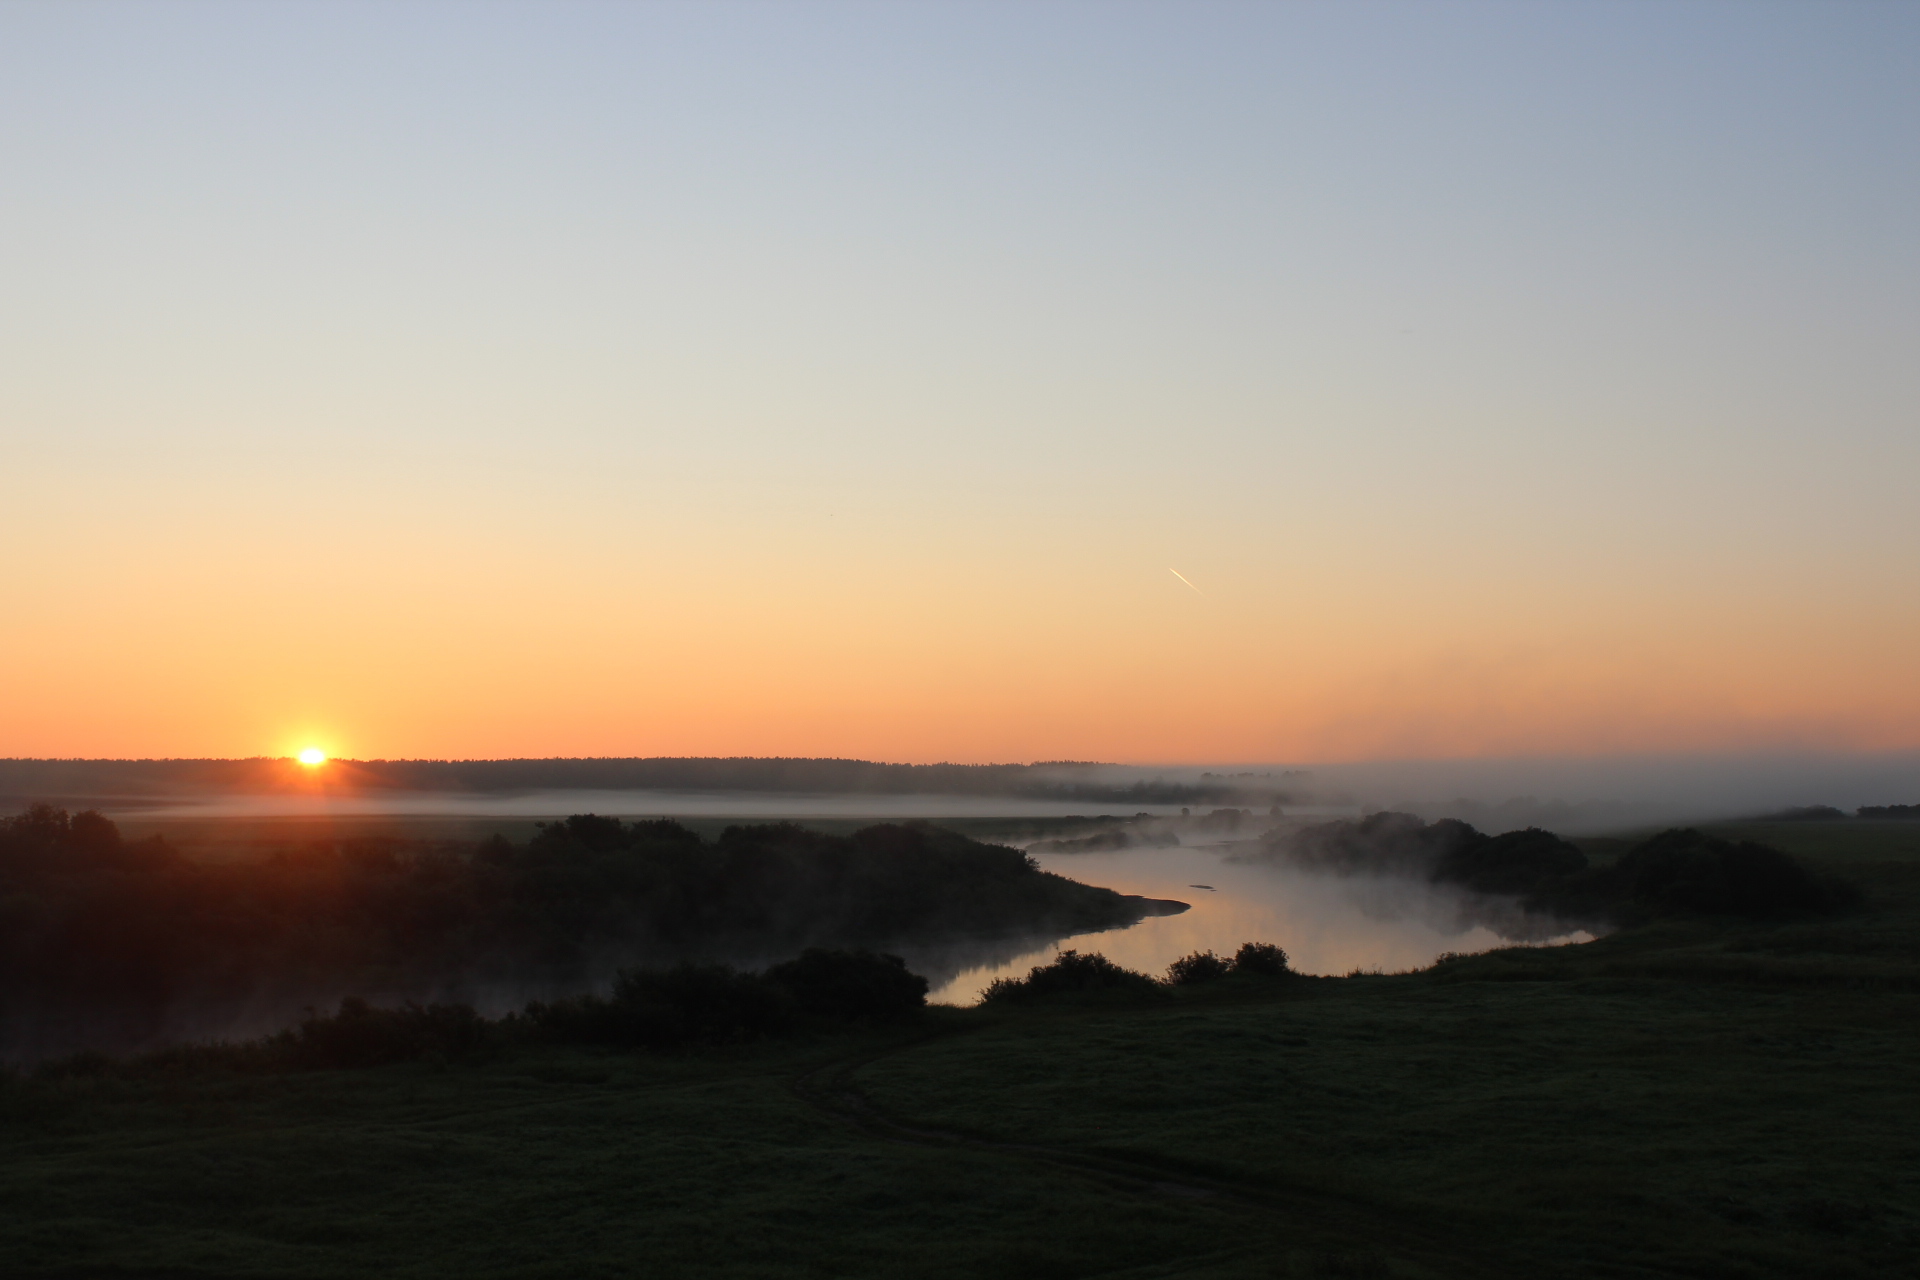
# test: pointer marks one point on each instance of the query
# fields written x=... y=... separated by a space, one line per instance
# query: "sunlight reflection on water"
x=1328 y=924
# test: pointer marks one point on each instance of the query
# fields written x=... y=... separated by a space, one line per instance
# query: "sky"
x=479 y=380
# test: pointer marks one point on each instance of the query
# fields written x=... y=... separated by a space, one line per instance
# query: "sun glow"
x=313 y=756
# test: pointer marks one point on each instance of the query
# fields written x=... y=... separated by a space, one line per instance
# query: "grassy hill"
x=1686 y=1099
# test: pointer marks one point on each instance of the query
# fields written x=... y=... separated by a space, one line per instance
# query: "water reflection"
x=1328 y=924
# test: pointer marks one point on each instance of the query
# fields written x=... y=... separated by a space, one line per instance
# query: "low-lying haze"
x=1571 y=795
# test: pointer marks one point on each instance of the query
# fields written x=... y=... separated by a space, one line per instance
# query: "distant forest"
x=106 y=940
x=1682 y=871
x=1061 y=780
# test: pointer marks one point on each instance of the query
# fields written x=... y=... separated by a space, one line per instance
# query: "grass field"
x=1679 y=1100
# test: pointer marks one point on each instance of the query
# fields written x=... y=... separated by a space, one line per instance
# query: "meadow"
x=1687 y=1097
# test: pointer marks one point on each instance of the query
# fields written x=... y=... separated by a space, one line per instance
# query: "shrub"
x=1808 y=813
x=1261 y=958
x=1385 y=843
x=713 y=1003
x=1201 y=966
x=1071 y=972
x=1517 y=862
x=359 y=1035
x=1400 y=844
x=716 y=1003
x=45 y=838
x=588 y=831
x=597 y=1020
x=1688 y=871
x=667 y=1008
x=850 y=985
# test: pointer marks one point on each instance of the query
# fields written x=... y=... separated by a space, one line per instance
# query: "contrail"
x=1183 y=577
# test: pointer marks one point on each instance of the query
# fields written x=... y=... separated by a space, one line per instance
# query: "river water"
x=1328 y=924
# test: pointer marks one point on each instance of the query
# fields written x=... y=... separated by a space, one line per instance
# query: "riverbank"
x=1682 y=1099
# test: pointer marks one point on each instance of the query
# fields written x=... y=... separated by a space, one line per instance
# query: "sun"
x=313 y=756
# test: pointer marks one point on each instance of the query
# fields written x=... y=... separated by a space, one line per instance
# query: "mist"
x=1573 y=795
x=1114 y=826
x=735 y=805
x=128 y=944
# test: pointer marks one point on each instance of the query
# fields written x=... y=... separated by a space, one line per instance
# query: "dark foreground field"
x=1682 y=1099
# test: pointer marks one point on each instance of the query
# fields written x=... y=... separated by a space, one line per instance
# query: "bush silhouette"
x=1201 y=966
x=713 y=1003
x=1261 y=958
x=1449 y=851
x=1071 y=972
x=850 y=985
x=1385 y=843
x=1517 y=862
x=1688 y=871
x=665 y=1008
x=1808 y=813
x=359 y=1035
x=718 y=1004
x=45 y=840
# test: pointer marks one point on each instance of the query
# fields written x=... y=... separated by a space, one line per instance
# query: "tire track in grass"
x=1325 y=1221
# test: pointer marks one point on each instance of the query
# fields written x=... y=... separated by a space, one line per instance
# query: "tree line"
x=96 y=926
x=1055 y=780
x=1682 y=871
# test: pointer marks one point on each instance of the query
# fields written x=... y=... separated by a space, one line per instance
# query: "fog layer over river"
x=1328 y=924
x=740 y=806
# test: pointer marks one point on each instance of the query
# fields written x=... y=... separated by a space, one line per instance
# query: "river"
x=1327 y=924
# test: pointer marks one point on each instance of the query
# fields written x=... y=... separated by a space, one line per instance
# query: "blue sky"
x=1581 y=332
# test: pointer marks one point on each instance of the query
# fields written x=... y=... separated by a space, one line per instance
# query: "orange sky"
x=831 y=650
x=615 y=381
